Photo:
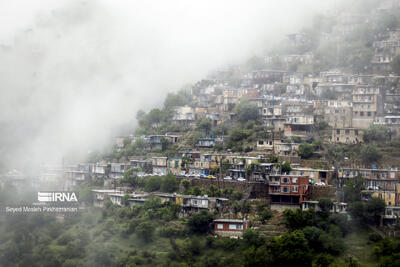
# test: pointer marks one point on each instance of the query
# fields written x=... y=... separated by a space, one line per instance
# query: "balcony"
x=274 y=183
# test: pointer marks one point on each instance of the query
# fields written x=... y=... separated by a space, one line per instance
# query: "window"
x=337 y=131
x=369 y=113
x=176 y=164
x=285 y=180
x=285 y=189
x=392 y=175
x=295 y=188
x=356 y=132
x=294 y=180
x=235 y=227
x=220 y=226
x=361 y=113
x=261 y=142
x=388 y=195
x=347 y=132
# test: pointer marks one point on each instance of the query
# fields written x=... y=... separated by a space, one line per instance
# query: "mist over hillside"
x=74 y=72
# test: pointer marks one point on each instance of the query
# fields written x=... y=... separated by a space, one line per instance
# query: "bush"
x=285 y=167
x=266 y=215
x=227 y=244
x=374 y=237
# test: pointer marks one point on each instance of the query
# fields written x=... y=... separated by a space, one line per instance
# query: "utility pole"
x=220 y=171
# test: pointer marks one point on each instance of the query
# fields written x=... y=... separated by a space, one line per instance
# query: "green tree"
x=285 y=167
x=306 y=150
x=155 y=116
x=179 y=99
x=290 y=249
x=376 y=133
x=370 y=154
x=186 y=184
x=375 y=207
x=298 y=219
x=169 y=184
x=200 y=222
x=247 y=111
x=145 y=231
x=164 y=144
x=152 y=184
x=325 y=205
x=237 y=135
x=204 y=124
x=368 y=212
x=352 y=189
x=125 y=200
x=252 y=238
x=322 y=125
x=130 y=178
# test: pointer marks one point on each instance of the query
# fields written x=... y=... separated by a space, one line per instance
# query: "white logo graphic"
x=57 y=197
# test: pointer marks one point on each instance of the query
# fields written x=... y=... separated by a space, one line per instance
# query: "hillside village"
x=292 y=133
x=316 y=118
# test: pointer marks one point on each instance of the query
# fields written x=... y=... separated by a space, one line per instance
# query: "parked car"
x=240 y=179
x=211 y=177
x=227 y=178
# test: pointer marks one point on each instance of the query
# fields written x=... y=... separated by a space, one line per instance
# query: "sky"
x=71 y=72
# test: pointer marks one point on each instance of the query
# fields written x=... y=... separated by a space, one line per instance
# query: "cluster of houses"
x=251 y=168
x=348 y=103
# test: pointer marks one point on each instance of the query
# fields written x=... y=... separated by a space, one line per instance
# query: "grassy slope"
x=359 y=248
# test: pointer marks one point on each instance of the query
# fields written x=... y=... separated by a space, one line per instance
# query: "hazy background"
x=73 y=72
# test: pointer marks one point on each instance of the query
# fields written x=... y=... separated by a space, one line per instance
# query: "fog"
x=73 y=72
